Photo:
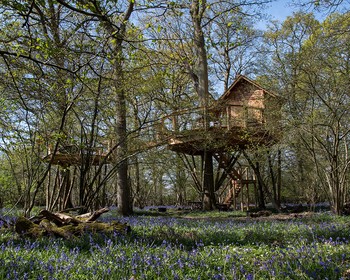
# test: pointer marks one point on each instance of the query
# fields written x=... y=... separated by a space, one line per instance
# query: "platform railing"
x=227 y=117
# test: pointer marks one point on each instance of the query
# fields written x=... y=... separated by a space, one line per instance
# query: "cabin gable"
x=243 y=104
x=244 y=92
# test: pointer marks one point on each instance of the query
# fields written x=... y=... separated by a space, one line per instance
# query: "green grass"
x=181 y=245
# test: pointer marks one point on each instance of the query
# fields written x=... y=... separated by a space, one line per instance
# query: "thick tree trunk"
x=201 y=82
x=200 y=75
x=124 y=192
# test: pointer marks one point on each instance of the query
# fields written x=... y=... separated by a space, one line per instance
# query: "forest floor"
x=265 y=215
x=185 y=244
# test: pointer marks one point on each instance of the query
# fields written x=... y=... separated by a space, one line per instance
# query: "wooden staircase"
x=235 y=177
x=233 y=192
x=226 y=163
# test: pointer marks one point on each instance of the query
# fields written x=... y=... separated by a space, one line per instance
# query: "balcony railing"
x=227 y=118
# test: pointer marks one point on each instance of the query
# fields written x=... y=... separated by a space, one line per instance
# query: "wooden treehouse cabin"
x=244 y=117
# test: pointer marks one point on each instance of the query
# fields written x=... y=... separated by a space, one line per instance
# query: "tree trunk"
x=201 y=73
x=261 y=201
x=124 y=193
x=274 y=181
x=137 y=192
x=279 y=176
x=208 y=182
x=261 y=184
x=201 y=82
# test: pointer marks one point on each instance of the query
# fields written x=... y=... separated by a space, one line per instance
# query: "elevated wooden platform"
x=74 y=159
x=214 y=140
x=185 y=132
x=68 y=155
x=71 y=155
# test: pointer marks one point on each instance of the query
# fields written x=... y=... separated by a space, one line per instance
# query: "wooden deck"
x=74 y=159
x=185 y=133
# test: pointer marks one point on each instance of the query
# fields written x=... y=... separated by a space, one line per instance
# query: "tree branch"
x=5 y=54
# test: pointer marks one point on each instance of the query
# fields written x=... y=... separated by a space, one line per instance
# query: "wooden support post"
x=228 y=117
x=242 y=198
x=255 y=193
x=233 y=185
x=247 y=186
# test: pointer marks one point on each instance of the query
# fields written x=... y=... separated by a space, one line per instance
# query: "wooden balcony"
x=229 y=127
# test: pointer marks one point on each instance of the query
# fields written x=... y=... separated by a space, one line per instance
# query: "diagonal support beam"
x=228 y=166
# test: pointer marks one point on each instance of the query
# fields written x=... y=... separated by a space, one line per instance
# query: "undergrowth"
x=198 y=245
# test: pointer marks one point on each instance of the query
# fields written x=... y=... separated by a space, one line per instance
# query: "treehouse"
x=245 y=117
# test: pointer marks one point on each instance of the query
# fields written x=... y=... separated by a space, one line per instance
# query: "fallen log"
x=90 y=217
x=66 y=226
x=59 y=219
x=25 y=227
